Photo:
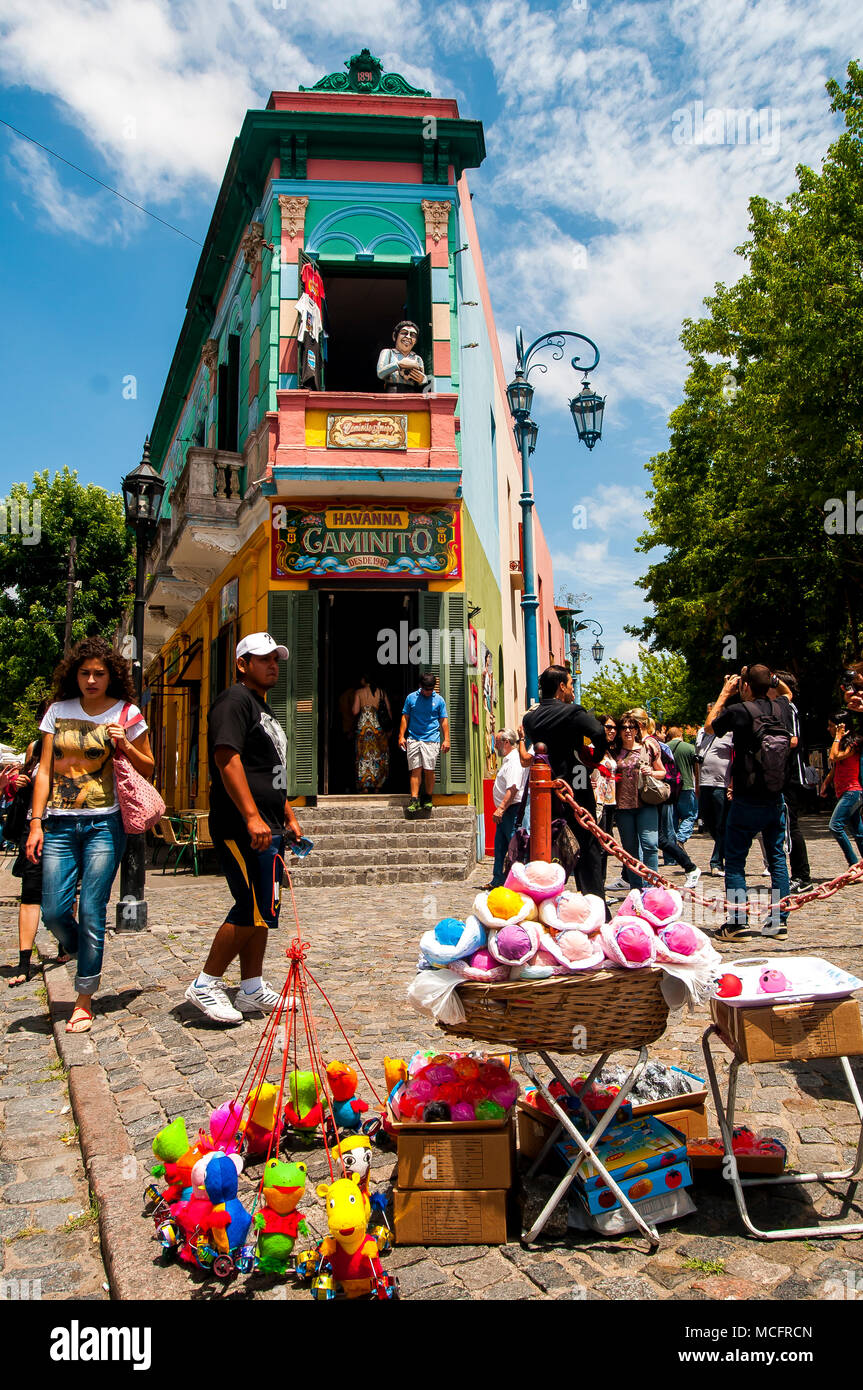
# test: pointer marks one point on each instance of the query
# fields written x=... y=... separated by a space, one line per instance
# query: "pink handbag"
x=140 y=804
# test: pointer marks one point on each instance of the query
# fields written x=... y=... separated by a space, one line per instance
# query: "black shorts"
x=30 y=876
x=254 y=877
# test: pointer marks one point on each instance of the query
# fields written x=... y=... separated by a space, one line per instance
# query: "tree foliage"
x=741 y=497
x=658 y=680
x=33 y=585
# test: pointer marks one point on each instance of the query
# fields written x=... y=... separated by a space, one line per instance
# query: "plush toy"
x=355 y=1153
x=451 y=940
x=349 y=1252
x=347 y=1108
x=569 y=951
x=305 y=1110
x=773 y=982
x=262 y=1121
x=514 y=944
x=537 y=880
x=661 y=906
x=683 y=944
x=177 y=1159
x=191 y=1213
x=225 y=1129
x=584 y=912
x=278 y=1223
x=228 y=1221
x=500 y=907
x=628 y=941
x=395 y=1070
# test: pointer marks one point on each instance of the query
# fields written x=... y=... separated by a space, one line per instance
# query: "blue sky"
x=626 y=198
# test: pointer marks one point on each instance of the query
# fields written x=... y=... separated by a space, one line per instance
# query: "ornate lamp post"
x=597 y=651
x=587 y=410
x=143 y=490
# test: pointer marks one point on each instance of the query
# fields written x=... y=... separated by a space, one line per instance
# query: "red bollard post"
x=540 y=810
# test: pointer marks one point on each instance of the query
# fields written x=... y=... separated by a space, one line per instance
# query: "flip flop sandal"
x=82 y=1023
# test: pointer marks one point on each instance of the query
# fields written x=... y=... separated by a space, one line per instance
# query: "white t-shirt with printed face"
x=82 y=772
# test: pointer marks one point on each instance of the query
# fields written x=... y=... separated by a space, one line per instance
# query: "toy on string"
x=279 y=1221
x=348 y=1260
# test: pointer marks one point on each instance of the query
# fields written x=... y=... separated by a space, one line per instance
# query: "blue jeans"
x=672 y=848
x=714 y=811
x=639 y=835
x=745 y=821
x=847 y=813
x=504 y=832
x=685 y=815
x=91 y=846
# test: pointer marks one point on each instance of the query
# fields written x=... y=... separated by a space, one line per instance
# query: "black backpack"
x=767 y=761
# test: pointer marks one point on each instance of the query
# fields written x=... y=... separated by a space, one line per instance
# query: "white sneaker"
x=261 y=1000
x=692 y=878
x=213 y=1002
x=618 y=884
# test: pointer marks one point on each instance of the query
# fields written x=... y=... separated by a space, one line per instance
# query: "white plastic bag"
x=433 y=992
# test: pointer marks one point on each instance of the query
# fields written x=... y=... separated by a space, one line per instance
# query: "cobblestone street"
x=152 y=1056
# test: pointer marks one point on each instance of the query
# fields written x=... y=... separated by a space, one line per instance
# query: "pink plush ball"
x=463 y=1110
x=513 y=942
x=680 y=938
x=572 y=907
x=658 y=902
x=574 y=945
x=633 y=943
x=482 y=960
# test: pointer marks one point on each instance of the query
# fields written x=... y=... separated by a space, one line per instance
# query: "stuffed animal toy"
x=191 y=1213
x=501 y=907
x=228 y=1222
x=583 y=912
x=226 y=1129
x=537 y=880
x=773 y=982
x=395 y=1070
x=262 y=1120
x=177 y=1159
x=629 y=941
x=451 y=940
x=305 y=1110
x=278 y=1223
x=515 y=944
x=351 y=1253
x=355 y=1153
x=347 y=1108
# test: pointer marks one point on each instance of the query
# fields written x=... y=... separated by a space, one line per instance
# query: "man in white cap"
x=250 y=820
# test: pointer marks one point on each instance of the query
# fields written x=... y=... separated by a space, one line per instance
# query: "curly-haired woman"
x=75 y=824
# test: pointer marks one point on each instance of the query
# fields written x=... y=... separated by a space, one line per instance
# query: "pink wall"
x=361 y=105
x=366 y=170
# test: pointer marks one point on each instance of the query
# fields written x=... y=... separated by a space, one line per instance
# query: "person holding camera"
x=844 y=755
x=754 y=707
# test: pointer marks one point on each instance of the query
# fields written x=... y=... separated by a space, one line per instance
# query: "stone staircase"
x=368 y=839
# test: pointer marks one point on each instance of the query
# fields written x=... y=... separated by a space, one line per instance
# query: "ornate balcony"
x=333 y=443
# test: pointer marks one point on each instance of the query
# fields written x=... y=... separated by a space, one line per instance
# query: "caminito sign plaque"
x=357 y=538
x=367 y=431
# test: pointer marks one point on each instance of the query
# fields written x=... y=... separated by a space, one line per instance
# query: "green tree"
x=659 y=681
x=33 y=583
x=767 y=440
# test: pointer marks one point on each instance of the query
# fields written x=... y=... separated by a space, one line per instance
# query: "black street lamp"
x=143 y=490
x=587 y=409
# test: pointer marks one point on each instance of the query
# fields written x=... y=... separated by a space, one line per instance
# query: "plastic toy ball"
x=773 y=982
x=729 y=986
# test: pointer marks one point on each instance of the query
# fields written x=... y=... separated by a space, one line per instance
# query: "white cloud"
x=625 y=651
x=615 y=508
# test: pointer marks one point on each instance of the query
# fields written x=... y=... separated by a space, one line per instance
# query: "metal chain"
x=564 y=792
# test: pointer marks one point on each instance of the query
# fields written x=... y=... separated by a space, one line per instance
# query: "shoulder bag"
x=652 y=790
x=140 y=804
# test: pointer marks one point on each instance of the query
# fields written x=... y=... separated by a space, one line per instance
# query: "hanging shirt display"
x=312 y=283
x=309 y=341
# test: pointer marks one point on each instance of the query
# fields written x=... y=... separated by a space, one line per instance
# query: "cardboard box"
x=438 y=1158
x=692 y=1121
x=628 y=1150
x=785 y=1032
x=660 y=1182
x=450 y=1218
x=534 y=1127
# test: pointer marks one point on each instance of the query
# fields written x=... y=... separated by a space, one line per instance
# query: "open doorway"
x=364 y=304
x=350 y=622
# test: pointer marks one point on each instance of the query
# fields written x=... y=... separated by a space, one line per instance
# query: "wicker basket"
x=590 y=1013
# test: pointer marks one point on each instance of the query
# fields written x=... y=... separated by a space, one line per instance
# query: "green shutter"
x=293 y=621
x=447 y=613
x=455 y=692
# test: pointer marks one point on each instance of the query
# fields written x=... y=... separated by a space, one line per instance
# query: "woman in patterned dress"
x=372 y=741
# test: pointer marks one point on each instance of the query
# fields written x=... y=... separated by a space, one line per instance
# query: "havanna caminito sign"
x=359 y=538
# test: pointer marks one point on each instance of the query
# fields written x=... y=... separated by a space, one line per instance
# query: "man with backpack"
x=761 y=725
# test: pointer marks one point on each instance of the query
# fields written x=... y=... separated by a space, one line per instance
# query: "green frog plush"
x=279 y=1223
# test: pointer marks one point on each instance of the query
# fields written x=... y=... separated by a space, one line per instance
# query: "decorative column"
x=210 y=359
x=293 y=210
x=436 y=216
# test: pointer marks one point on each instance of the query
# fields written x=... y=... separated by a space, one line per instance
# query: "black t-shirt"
x=737 y=720
x=564 y=729
x=240 y=719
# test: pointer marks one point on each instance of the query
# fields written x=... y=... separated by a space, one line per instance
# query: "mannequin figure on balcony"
x=399 y=367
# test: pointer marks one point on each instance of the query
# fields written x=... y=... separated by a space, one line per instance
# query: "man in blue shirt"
x=423 y=734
